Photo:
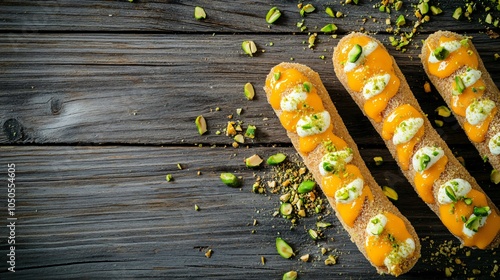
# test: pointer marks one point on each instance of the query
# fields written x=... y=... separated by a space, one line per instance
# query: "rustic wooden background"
x=97 y=105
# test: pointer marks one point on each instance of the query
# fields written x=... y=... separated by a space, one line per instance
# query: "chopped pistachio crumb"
x=196 y=207
x=169 y=177
x=179 y=166
x=209 y=253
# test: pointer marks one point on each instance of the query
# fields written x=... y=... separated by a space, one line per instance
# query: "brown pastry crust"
x=445 y=90
x=431 y=138
x=313 y=159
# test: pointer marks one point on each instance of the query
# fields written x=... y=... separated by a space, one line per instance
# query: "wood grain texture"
x=109 y=211
x=97 y=104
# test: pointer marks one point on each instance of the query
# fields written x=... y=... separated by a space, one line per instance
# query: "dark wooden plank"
x=223 y=16
x=108 y=212
x=108 y=88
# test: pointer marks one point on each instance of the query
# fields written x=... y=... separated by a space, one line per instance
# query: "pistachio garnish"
x=230 y=179
x=230 y=130
x=390 y=193
x=329 y=12
x=273 y=15
x=196 y=207
x=400 y=21
x=309 y=8
x=250 y=132
x=329 y=28
x=323 y=224
x=482 y=211
x=306 y=186
x=459 y=85
x=307 y=86
x=457 y=14
x=312 y=40
x=495 y=176
x=290 y=275
x=423 y=7
x=249 y=91
x=169 y=177
x=249 y=47
x=443 y=111
x=276 y=159
x=354 y=53
x=277 y=75
x=199 y=13
x=239 y=138
x=253 y=161
x=441 y=53
x=450 y=193
x=305 y=258
x=209 y=253
x=473 y=223
x=313 y=234
x=378 y=161
x=331 y=260
x=201 y=124
x=283 y=248
x=286 y=209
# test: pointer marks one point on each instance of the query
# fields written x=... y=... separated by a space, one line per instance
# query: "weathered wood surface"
x=97 y=105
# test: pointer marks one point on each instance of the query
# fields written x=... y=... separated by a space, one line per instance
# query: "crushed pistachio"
x=290 y=275
x=239 y=138
x=196 y=207
x=209 y=253
x=249 y=91
x=201 y=124
x=312 y=40
x=273 y=15
x=249 y=47
x=250 y=132
x=305 y=258
x=199 y=13
x=169 y=178
x=427 y=87
x=329 y=12
x=179 y=166
x=390 y=193
x=443 y=111
x=495 y=176
x=283 y=248
x=230 y=179
x=253 y=161
x=329 y=28
x=331 y=260
x=378 y=161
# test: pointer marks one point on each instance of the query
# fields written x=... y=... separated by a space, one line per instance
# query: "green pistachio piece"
x=253 y=161
x=400 y=21
x=273 y=15
x=378 y=161
x=307 y=86
x=169 y=177
x=450 y=193
x=443 y=111
x=290 y=275
x=436 y=10
x=313 y=234
x=277 y=75
x=283 y=248
x=276 y=159
x=328 y=167
x=329 y=12
x=342 y=194
x=441 y=53
x=323 y=224
x=286 y=209
x=239 y=138
x=354 y=53
x=201 y=124
x=329 y=28
x=199 y=13
x=249 y=47
x=309 y=8
x=495 y=176
x=473 y=223
x=230 y=179
x=249 y=91
x=468 y=201
x=306 y=186
x=423 y=7
x=250 y=132
x=424 y=161
x=390 y=193
x=459 y=85
x=457 y=14
x=481 y=211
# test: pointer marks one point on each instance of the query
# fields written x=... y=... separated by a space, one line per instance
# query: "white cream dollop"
x=460 y=189
x=482 y=221
x=375 y=85
x=313 y=124
x=478 y=111
x=366 y=50
x=494 y=144
x=406 y=130
x=376 y=225
x=350 y=192
x=335 y=161
x=399 y=253
x=450 y=46
x=425 y=157
x=290 y=102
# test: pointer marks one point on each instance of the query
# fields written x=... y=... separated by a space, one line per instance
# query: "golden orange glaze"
x=309 y=143
x=288 y=78
x=459 y=103
x=376 y=63
x=477 y=133
x=378 y=247
x=374 y=106
x=404 y=150
x=456 y=60
x=348 y=211
x=425 y=180
x=451 y=216
x=311 y=105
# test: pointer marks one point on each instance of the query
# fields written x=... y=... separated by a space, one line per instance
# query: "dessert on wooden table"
x=375 y=82
x=380 y=231
x=454 y=67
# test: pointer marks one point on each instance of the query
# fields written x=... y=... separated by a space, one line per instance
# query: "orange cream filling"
x=455 y=60
x=404 y=150
x=477 y=133
x=376 y=63
x=288 y=78
x=451 y=215
x=459 y=103
x=379 y=247
x=425 y=180
x=347 y=211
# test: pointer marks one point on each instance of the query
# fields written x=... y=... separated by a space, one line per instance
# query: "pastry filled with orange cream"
x=316 y=130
